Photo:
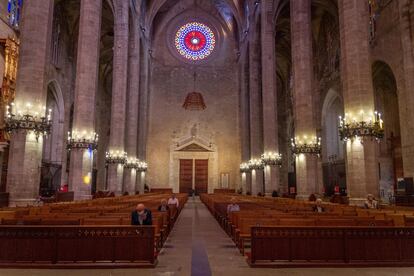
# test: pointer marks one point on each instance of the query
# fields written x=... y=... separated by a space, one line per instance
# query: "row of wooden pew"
x=286 y=232
x=91 y=233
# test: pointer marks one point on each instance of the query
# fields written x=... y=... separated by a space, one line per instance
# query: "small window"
x=14 y=8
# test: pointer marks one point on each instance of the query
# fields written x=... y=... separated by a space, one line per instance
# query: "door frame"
x=177 y=153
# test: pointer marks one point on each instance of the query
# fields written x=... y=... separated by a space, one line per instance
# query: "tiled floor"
x=198 y=247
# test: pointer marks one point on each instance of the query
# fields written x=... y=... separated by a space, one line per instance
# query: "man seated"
x=232 y=207
x=164 y=206
x=141 y=216
x=318 y=208
x=173 y=200
x=370 y=203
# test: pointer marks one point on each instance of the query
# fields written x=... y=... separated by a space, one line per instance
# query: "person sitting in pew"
x=164 y=206
x=318 y=208
x=370 y=203
x=173 y=201
x=141 y=216
x=232 y=207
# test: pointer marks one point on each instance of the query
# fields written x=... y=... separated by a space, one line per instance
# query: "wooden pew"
x=331 y=246
x=77 y=246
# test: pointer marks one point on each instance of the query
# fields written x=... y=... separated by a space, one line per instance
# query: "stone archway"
x=390 y=149
x=53 y=154
x=333 y=162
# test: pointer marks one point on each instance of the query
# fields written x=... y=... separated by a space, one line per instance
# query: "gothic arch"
x=386 y=102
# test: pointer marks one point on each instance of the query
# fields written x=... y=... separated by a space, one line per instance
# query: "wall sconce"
x=116 y=157
x=366 y=124
x=271 y=158
x=82 y=140
x=131 y=163
x=256 y=164
x=306 y=145
x=244 y=167
x=142 y=166
x=29 y=118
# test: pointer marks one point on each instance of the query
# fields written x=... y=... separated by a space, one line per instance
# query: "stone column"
x=131 y=143
x=406 y=97
x=302 y=67
x=270 y=126
x=244 y=115
x=119 y=93
x=25 y=158
x=86 y=85
x=143 y=112
x=256 y=126
x=358 y=93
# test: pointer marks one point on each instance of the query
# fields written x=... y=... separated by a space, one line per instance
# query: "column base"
x=23 y=202
x=356 y=201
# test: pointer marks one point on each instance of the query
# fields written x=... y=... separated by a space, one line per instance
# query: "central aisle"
x=197 y=246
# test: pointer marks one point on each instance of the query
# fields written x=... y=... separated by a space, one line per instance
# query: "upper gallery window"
x=14 y=8
x=195 y=41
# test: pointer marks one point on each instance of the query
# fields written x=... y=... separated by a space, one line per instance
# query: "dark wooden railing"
x=331 y=246
x=77 y=246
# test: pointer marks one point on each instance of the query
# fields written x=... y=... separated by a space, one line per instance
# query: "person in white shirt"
x=371 y=203
x=232 y=207
x=173 y=201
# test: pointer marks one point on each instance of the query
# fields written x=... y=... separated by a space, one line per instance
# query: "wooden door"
x=186 y=175
x=201 y=176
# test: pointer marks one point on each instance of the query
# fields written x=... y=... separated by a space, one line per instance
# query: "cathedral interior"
x=295 y=99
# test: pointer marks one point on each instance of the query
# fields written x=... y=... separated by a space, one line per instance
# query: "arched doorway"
x=333 y=162
x=53 y=146
x=386 y=102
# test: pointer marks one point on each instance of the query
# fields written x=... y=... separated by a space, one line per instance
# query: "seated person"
x=164 y=206
x=141 y=216
x=232 y=207
x=370 y=203
x=173 y=200
x=312 y=197
x=318 y=208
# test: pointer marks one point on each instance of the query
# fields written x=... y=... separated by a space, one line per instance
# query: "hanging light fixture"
x=194 y=100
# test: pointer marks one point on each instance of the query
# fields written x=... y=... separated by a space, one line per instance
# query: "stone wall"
x=172 y=78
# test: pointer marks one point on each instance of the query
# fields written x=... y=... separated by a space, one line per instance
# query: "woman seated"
x=164 y=206
x=318 y=208
x=371 y=203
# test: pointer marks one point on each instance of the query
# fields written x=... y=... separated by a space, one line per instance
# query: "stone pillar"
x=244 y=114
x=131 y=132
x=270 y=126
x=256 y=126
x=358 y=93
x=302 y=67
x=86 y=85
x=143 y=112
x=406 y=97
x=23 y=176
x=119 y=93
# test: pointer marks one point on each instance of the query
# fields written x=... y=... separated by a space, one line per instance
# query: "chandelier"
x=306 y=145
x=271 y=158
x=256 y=164
x=142 y=166
x=30 y=119
x=365 y=125
x=244 y=167
x=131 y=163
x=194 y=100
x=82 y=140
x=116 y=157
